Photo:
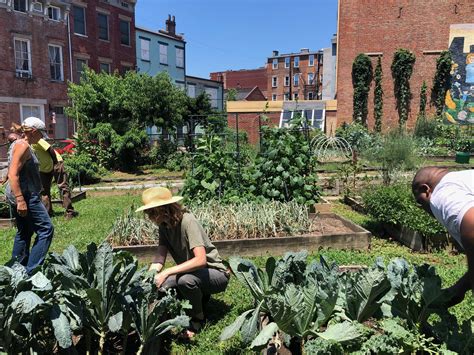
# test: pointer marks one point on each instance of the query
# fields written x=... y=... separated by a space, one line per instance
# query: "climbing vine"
x=423 y=100
x=402 y=69
x=361 y=79
x=441 y=81
x=378 y=96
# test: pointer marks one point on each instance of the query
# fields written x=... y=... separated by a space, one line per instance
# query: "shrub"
x=396 y=205
x=178 y=161
x=285 y=168
x=81 y=168
x=426 y=127
x=357 y=135
x=161 y=152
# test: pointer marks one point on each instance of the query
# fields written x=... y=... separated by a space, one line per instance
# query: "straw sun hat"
x=157 y=196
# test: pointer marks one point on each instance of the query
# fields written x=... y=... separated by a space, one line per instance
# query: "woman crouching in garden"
x=199 y=271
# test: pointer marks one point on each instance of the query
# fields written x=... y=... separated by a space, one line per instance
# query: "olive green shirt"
x=187 y=235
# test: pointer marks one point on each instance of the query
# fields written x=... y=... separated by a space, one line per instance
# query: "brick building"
x=34 y=63
x=243 y=79
x=379 y=29
x=103 y=35
x=295 y=76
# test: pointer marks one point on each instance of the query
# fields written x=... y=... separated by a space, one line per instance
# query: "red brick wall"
x=40 y=32
x=112 y=49
x=249 y=122
x=368 y=26
x=243 y=79
x=256 y=95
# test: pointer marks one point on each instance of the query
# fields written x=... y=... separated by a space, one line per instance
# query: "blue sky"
x=240 y=34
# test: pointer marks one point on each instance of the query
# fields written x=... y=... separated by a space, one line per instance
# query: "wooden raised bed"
x=416 y=241
x=81 y=195
x=354 y=237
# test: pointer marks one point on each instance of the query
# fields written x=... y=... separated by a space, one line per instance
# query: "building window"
x=287 y=62
x=145 y=48
x=163 y=53
x=274 y=97
x=296 y=80
x=79 y=14
x=20 y=5
x=105 y=67
x=103 y=24
x=310 y=78
x=287 y=81
x=180 y=57
x=212 y=93
x=310 y=96
x=81 y=64
x=31 y=110
x=35 y=6
x=274 y=81
x=295 y=96
x=125 y=32
x=296 y=62
x=22 y=58
x=191 y=90
x=54 y=13
x=124 y=4
x=311 y=60
x=55 y=63
x=275 y=63
x=286 y=97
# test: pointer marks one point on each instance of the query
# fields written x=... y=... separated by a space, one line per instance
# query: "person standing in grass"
x=449 y=197
x=199 y=271
x=51 y=166
x=23 y=193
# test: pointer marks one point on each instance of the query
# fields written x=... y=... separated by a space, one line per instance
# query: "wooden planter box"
x=356 y=238
x=416 y=241
x=355 y=203
x=81 y=195
x=323 y=206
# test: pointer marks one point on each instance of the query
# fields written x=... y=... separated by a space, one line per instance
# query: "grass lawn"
x=98 y=212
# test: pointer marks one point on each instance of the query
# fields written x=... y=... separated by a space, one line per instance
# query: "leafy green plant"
x=178 y=161
x=325 y=311
x=80 y=167
x=361 y=79
x=357 y=136
x=161 y=152
x=402 y=69
x=378 y=96
x=285 y=168
x=84 y=302
x=395 y=205
x=422 y=111
x=441 y=81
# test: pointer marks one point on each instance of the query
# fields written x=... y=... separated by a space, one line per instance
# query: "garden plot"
x=250 y=229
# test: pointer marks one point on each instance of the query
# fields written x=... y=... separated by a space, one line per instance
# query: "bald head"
x=424 y=182
x=429 y=175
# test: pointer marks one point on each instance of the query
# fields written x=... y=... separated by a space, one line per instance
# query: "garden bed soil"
x=330 y=231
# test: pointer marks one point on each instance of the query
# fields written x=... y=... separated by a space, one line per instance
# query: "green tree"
x=402 y=69
x=441 y=81
x=361 y=79
x=133 y=100
x=378 y=96
x=231 y=95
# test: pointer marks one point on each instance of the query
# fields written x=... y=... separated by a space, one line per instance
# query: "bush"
x=82 y=169
x=426 y=127
x=178 y=161
x=285 y=169
x=357 y=135
x=161 y=152
x=396 y=205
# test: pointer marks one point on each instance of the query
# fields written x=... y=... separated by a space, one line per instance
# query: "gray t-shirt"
x=187 y=235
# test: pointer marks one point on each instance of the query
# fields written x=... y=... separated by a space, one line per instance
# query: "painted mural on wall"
x=459 y=104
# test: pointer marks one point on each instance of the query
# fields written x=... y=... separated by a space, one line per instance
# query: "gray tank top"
x=30 y=181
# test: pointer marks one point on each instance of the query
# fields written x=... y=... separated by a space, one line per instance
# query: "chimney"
x=275 y=53
x=171 y=26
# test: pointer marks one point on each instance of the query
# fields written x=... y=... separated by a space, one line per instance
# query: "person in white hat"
x=23 y=193
x=199 y=271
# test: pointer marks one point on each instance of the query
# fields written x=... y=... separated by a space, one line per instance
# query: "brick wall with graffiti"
x=459 y=106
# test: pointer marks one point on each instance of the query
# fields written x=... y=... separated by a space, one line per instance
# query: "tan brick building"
x=295 y=76
x=379 y=28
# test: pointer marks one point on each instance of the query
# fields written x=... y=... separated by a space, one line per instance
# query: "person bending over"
x=449 y=197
